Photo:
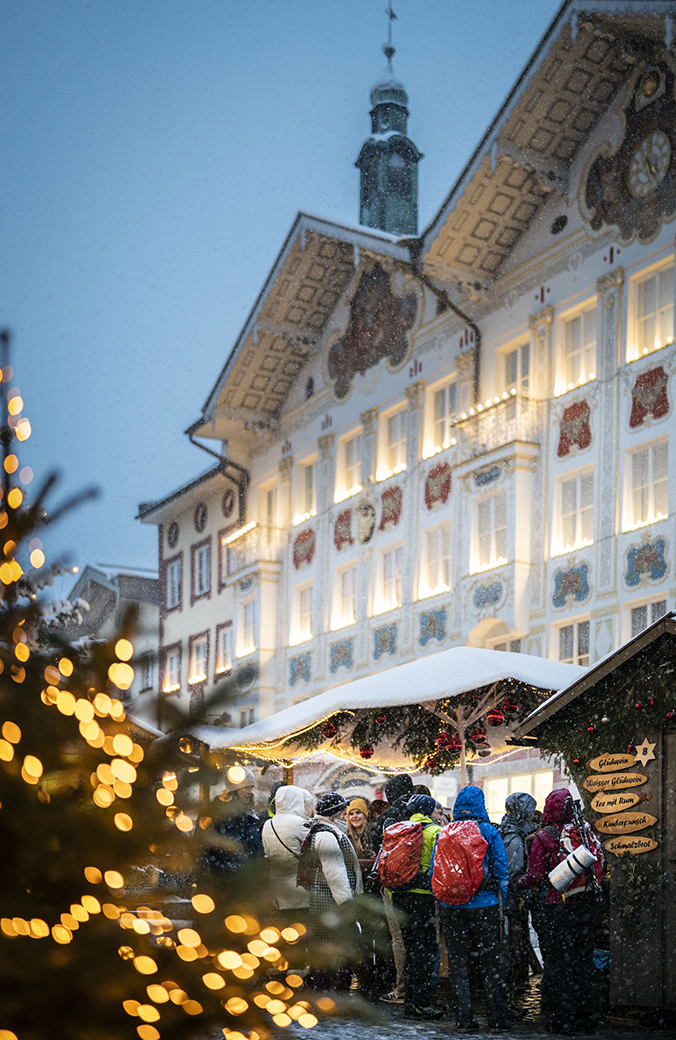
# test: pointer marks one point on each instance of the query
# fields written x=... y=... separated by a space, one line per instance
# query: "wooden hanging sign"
x=616 y=801
x=611 y=763
x=631 y=844
x=625 y=823
x=613 y=781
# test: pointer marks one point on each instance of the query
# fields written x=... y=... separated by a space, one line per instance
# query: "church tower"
x=388 y=160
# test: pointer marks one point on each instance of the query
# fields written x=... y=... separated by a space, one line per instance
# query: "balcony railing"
x=514 y=418
x=249 y=546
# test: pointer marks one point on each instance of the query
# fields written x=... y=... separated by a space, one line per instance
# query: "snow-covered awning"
x=425 y=681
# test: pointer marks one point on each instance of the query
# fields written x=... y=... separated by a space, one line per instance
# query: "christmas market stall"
x=615 y=729
x=433 y=714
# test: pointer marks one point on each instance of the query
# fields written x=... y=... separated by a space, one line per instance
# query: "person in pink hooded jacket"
x=569 y=928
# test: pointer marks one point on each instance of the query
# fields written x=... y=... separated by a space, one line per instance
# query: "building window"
x=302 y=621
x=646 y=614
x=147 y=670
x=306 y=492
x=517 y=369
x=577 y=356
x=491 y=531
x=224 y=649
x=247 y=640
x=648 y=484
x=346 y=597
x=199 y=651
x=391 y=579
x=174 y=583
x=399 y=175
x=393 y=444
x=576 y=512
x=270 y=507
x=172 y=670
x=201 y=570
x=247 y=717
x=442 y=406
x=348 y=481
x=511 y=645
x=497 y=790
x=574 y=643
x=653 y=312
x=437 y=563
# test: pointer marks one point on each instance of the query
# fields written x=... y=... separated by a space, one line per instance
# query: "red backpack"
x=458 y=862
x=399 y=859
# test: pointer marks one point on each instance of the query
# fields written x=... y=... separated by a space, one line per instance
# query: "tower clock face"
x=649 y=164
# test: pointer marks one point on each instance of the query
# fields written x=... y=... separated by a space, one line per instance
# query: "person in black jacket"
x=237 y=823
x=398 y=790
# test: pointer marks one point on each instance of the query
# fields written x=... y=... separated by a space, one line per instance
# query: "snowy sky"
x=155 y=155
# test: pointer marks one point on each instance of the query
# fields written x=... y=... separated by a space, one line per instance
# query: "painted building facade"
x=461 y=437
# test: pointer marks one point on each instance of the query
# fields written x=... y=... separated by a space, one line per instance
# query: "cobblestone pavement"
x=387 y=1022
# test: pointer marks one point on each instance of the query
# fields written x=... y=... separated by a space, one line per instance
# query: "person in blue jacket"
x=478 y=922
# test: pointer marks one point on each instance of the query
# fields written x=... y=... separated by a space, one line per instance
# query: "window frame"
x=223 y=661
x=201 y=639
x=341 y=490
x=384 y=469
x=173 y=649
x=384 y=605
x=634 y=351
x=574 y=623
x=432 y=444
x=648 y=602
x=522 y=383
x=494 y=559
x=173 y=561
x=425 y=587
x=147 y=670
x=339 y=619
x=196 y=550
x=558 y=546
x=562 y=385
x=630 y=524
x=243 y=649
x=301 y=513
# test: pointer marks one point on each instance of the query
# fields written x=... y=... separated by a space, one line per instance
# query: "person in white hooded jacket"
x=283 y=835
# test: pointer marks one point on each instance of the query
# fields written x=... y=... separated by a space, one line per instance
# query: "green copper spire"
x=388 y=160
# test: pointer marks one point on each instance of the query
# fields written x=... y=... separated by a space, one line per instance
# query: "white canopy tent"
x=426 y=682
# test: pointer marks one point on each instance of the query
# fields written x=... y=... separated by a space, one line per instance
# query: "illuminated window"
x=517 y=369
x=577 y=358
x=348 y=479
x=511 y=645
x=174 y=583
x=147 y=670
x=270 y=502
x=247 y=717
x=306 y=491
x=391 y=575
x=247 y=636
x=172 y=670
x=345 y=596
x=648 y=484
x=199 y=649
x=574 y=643
x=497 y=789
x=491 y=531
x=392 y=444
x=576 y=511
x=655 y=311
x=224 y=649
x=437 y=564
x=304 y=612
x=444 y=408
x=646 y=614
x=202 y=570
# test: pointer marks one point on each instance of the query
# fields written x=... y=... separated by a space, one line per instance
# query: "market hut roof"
x=448 y=674
x=650 y=655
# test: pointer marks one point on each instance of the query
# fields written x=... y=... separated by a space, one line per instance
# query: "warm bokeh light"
x=21 y=652
x=11 y=732
x=184 y=823
x=170 y=782
x=147 y=1032
x=123 y=821
x=145 y=965
x=123 y=744
x=65 y=703
x=84 y=710
x=15 y=498
x=203 y=904
x=236 y=774
x=157 y=993
x=91 y=903
x=121 y=675
x=123 y=770
x=15 y=403
x=65 y=666
x=164 y=797
x=26 y=475
x=6 y=751
x=236 y=1005
x=23 y=429
x=213 y=981
x=33 y=765
x=124 y=650
x=229 y=959
x=11 y=464
x=93 y=875
x=113 y=879
x=189 y=937
x=270 y=935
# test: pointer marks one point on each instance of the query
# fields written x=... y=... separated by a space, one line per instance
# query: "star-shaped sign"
x=645 y=752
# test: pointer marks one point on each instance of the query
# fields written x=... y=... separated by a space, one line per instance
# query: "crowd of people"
x=326 y=851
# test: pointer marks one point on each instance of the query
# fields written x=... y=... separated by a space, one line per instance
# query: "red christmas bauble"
x=638 y=705
x=671 y=713
x=651 y=701
x=590 y=729
x=495 y=717
x=366 y=751
x=380 y=719
x=483 y=752
x=510 y=707
x=454 y=744
x=478 y=736
x=431 y=765
x=443 y=740
x=329 y=730
x=576 y=761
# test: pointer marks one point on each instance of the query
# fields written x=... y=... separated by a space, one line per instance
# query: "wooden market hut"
x=616 y=730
